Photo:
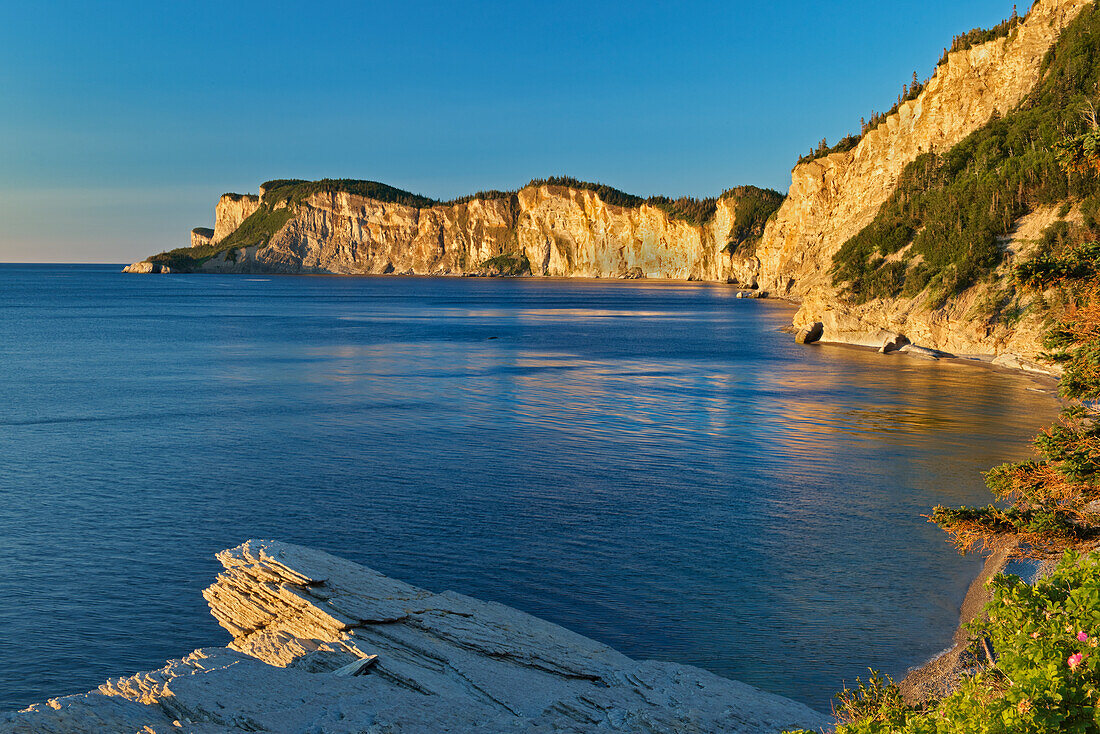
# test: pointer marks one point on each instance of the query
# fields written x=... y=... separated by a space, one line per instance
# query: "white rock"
x=441 y=662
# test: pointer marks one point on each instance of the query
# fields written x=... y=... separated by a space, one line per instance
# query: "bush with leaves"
x=1044 y=677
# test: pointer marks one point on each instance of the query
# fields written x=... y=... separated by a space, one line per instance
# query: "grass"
x=255 y=231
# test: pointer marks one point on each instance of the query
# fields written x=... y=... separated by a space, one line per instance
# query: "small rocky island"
x=321 y=644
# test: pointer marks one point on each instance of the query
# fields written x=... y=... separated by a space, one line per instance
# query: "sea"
x=655 y=465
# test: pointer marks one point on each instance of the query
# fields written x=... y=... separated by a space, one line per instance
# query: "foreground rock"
x=321 y=644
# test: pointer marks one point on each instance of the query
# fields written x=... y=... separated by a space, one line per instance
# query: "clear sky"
x=121 y=123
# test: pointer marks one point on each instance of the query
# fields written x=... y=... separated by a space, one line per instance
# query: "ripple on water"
x=655 y=467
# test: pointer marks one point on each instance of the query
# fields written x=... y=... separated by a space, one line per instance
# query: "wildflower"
x=1035 y=635
x=1074 y=660
x=1082 y=637
x=1024 y=706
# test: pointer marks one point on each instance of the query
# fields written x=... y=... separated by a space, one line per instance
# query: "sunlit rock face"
x=560 y=231
x=831 y=199
x=231 y=210
x=200 y=237
x=323 y=644
x=146 y=267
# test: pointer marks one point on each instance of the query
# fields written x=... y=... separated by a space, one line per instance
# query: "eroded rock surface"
x=321 y=644
x=146 y=267
x=559 y=230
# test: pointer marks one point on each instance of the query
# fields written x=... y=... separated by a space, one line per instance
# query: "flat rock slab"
x=321 y=644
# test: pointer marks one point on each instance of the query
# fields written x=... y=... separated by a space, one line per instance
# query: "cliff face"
x=559 y=231
x=322 y=644
x=231 y=210
x=833 y=198
x=201 y=236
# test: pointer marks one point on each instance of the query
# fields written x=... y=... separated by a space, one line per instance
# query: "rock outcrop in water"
x=323 y=644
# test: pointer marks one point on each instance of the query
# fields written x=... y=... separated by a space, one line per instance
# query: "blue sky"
x=121 y=123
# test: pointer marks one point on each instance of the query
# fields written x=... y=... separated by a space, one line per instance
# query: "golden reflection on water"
x=522 y=315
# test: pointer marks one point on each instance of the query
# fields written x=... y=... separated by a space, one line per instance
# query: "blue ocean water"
x=655 y=466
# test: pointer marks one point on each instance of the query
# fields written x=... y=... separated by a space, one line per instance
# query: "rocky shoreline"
x=324 y=644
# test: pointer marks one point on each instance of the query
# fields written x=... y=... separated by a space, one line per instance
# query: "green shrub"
x=1045 y=672
x=607 y=194
x=694 y=211
x=294 y=191
x=507 y=264
x=754 y=208
x=490 y=195
x=978 y=36
x=879 y=700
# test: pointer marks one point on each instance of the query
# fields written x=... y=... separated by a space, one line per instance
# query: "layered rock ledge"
x=321 y=644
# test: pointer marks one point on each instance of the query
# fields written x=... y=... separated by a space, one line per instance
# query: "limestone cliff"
x=202 y=236
x=833 y=198
x=322 y=644
x=543 y=230
x=231 y=210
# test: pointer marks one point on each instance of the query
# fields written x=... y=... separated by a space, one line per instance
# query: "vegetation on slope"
x=689 y=209
x=255 y=231
x=1043 y=677
x=203 y=231
x=754 y=205
x=978 y=36
x=294 y=191
x=755 y=208
x=490 y=195
x=942 y=227
x=1033 y=662
x=282 y=197
x=507 y=264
